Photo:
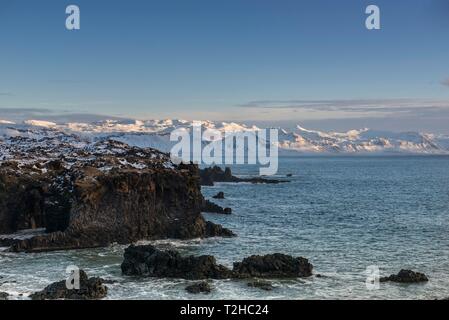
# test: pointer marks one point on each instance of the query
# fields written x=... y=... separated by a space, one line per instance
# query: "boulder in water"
x=219 y=195
x=216 y=230
x=216 y=174
x=149 y=261
x=90 y=289
x=152 y=262
x=211 y=207
x=273 y=266
x=406 y=276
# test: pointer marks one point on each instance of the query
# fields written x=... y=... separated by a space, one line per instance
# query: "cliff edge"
x=85 y=194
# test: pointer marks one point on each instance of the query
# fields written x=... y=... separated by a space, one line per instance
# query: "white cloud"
x=355 y=106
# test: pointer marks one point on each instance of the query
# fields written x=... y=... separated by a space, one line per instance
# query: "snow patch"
x=40 y=123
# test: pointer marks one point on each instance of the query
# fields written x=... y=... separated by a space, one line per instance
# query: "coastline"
x=315 y=239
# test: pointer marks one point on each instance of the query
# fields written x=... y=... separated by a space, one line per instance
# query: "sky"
x=311 y=62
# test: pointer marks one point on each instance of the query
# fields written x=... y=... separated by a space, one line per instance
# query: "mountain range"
x=156 y=134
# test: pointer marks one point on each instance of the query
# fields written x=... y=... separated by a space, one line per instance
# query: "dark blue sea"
x=344 y=214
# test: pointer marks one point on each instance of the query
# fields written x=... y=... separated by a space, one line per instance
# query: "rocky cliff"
x=93 y=193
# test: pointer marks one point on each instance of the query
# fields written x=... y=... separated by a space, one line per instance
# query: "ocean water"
x=342 y=213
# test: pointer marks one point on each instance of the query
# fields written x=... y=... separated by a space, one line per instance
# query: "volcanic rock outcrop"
x=149 y=261
x=89 y=289
x=219 y=195
x=216 y=174
x=406 y=276
x=93 y=193
x=276 y=265
x=210 y=207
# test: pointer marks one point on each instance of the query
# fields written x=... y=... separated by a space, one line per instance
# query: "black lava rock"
x=406 y=276
x=151 y=262
x=216 y=174
x=273 y=266
x=90 y=289
x=219 y=195
x=211 y=207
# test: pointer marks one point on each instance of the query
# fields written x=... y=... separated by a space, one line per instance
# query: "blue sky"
x=230 y=60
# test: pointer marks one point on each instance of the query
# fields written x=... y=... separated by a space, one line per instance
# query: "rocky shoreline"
x=406 y=276
x=148 y=261
x=74 y=194
x=87 y=194
x=92 y=195
x=210 y=207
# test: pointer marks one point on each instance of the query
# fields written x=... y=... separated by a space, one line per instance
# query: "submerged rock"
x=261 y=284
x=216 y=174
x=151 y=262
x=90 y=289
x=273 y=266
x=406 y=276
x=200 y=287
x=219 y=195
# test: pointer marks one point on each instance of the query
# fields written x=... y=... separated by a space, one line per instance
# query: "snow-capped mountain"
x=156 y=134
x=364 y=141
x=33 y=149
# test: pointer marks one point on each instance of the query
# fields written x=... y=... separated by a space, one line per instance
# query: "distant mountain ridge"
x=156 y=134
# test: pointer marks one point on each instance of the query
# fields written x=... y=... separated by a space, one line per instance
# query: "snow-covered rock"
x=156 y=134
x=40 y=123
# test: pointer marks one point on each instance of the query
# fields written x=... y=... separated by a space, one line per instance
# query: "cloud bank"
x=21 y=114
x=367 y=107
